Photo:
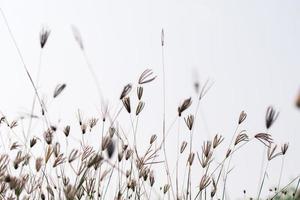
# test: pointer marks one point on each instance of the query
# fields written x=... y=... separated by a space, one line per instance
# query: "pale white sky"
x=248 y=48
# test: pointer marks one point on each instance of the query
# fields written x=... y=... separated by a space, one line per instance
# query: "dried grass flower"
x=140 y=91
x=271 y=116
x=189 y=121
x=146 y=77
x=218 y=139
x=284 y=148
x=185 y=105
x=183 y=146
x=264 y=138
x=126 y=90
x=44 y=35
x=58 y=89
x=241 y=137
x=271 y=154
x=242 y=117
x=205 y=181
x=67 y=130
x=126 y=103
x=139 y=108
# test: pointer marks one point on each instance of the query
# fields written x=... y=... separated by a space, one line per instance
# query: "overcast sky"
x=249 y=49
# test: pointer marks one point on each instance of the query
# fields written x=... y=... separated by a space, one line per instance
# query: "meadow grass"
x=59 y=166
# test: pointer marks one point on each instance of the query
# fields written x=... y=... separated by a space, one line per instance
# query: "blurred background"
x=249 y=49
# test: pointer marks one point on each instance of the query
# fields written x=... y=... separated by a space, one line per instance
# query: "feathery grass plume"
x=206 y=155
x=77 y=37
x=185 y=105
x=126 y=103
x=146 y=77
x=87 y=152
x=73 y=155
x=271 y=152
x=140 y=91
x=105 y=142
x=284 y=148
x=228 y=153
x=67 y=130
x=166 y=188
x=139 y=108
x=44 y=34
x=189 y=121
x=153 y=138
x=126 y=90
x=218 y=139
x=271 y=116
x=204 y=183
x=206 y=148
x=58 y=89
x=242 y=117
x=13 y=124
x=92 y=122
x=191 y=158
x=95 y=160
x=264 y=138
x=15 y=145
x=183 y=146
x=204 y=160
x=32 y=142
x=241 y=137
